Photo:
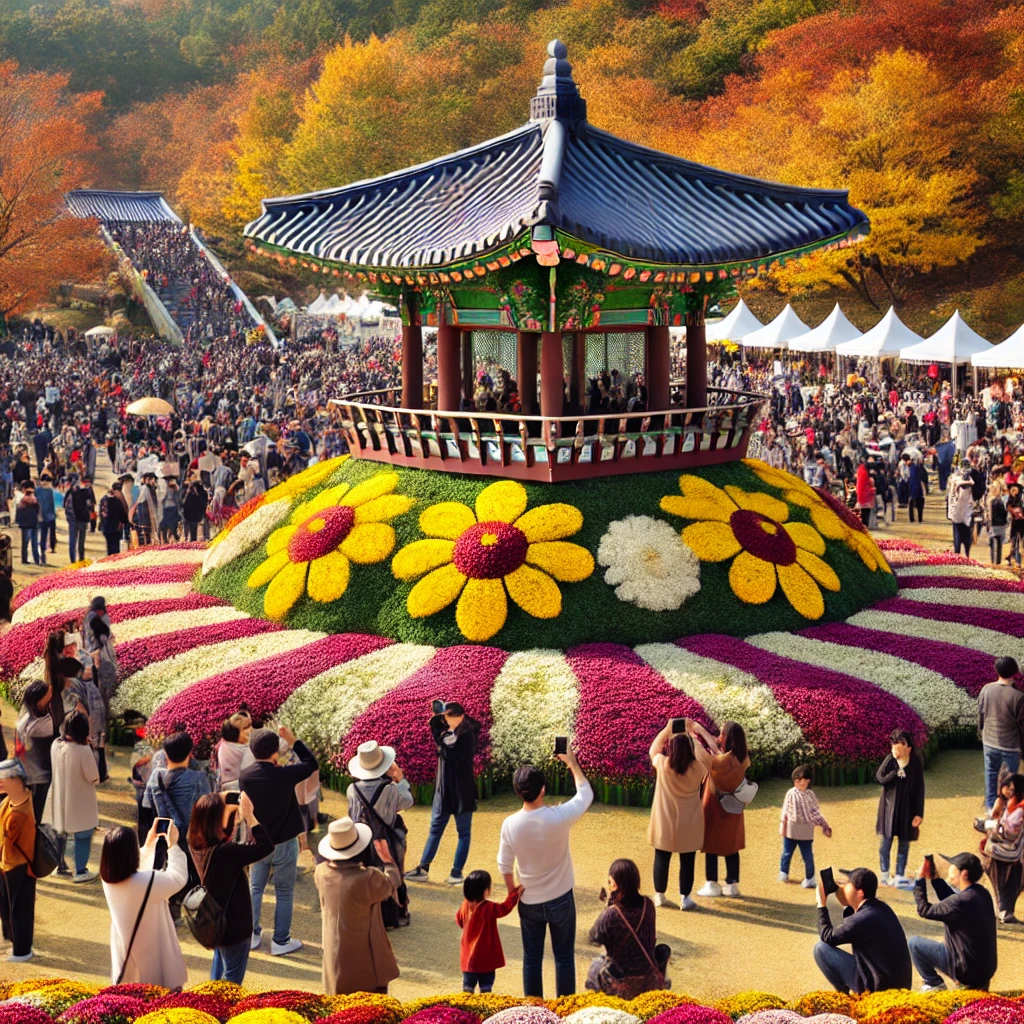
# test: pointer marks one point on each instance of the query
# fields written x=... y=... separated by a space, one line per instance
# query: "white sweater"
x=538 y=842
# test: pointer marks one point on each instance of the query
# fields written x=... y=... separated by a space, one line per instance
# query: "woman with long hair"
x=1001 y=852
x=71 y=805
x=33 y=736
x=900 y=806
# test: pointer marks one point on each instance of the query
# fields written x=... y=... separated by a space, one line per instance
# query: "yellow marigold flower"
x=479 y=556
x=650 y=1004
x=313 y=552
x=566 y=1005
x=752 y=530
x=823 y=1001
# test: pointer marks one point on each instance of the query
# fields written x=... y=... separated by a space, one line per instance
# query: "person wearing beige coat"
x=357 y=951
x=71 y=806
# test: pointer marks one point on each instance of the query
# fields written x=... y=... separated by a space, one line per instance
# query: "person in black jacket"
x=900 y=806
x=220 y=863
x=113 y=517
x=271 y=787
x=193 y=505
x=968 y=955
x=455 y=734
x=880 y=959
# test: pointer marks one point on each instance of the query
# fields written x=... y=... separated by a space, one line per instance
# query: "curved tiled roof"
x=113 y=206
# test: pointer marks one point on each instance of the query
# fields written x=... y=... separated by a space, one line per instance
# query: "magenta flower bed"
x=133 y=576
x=996 y=1010
x=844 y=718
x=265 y=685
x=1009 y=586
x=691 y=1014
x=443 y=1015
x=22 y=1013
x=465 y=674
x=219 y=1008
x=987 y=618
x=104 y=1009
x=624 y=704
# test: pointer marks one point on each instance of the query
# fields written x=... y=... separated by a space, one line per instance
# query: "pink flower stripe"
x=135 y=655
x=823 y=703
x=1011 y=623
x=107 y=578
x=21 y=643
x=898 y=544
x=121 y=556
x=624 y=703
x=1009 y=585
x=265 y=684
x=968 y=668
x=465 y=674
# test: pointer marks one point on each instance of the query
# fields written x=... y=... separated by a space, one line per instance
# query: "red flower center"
x=488 y=551
x=321 y=533
x=763 y=537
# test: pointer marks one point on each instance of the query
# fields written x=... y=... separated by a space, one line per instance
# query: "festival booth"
x=833 y=331
x=734 y=327
x=1007 y=355
x=884 y=341
x=777 y=333
x=954 y=343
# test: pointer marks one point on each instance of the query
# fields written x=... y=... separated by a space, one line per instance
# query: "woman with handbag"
x=632 y=963
x=221 y=863
x=1002 y=850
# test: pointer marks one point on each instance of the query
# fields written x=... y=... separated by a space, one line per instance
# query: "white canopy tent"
x=778 y=333
x=1008 y=354
x=884 y=341
x=100 y=332
x=332 y=306
x=316 y=307
x=834 y=330
x=954 y=343
x=736 y=325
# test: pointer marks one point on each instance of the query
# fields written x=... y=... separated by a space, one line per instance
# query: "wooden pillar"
x=578 y=374
x=412 y=359
x=468 y=376
x=449 y=366
x=552 y=374
x=696 y=363
x=657 y=368
x=526 y=371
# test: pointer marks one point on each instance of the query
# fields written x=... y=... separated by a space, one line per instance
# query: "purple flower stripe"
x=969 y=669
x=843 y=717
x=1011 y=623
x=137 y=654
x=624 y=704
x=465 y=674
x=1010 y=586
x=265 y=684
x=178 y=573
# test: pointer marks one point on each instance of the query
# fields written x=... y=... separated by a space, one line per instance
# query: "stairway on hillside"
x=175 y=300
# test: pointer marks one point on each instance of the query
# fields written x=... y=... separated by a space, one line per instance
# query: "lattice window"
x=635 y=343
x=568 y=343
x=494 y=351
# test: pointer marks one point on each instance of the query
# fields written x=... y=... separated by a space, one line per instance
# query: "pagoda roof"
x=107 y=205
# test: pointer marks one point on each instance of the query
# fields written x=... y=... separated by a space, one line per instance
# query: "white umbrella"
x=834 y=330
x=150 y=406
x=886 y=339
x=778 y=333
x=1008 y=354
x=954 y=342
x=739 y=322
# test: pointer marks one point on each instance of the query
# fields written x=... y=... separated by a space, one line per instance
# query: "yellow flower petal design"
x=869 y=553
x=448 y=519
x=710 y=541
x=550 y=522
x=567 y=562
x=695 y=508
x=752 y=579
x=305 y=480
x=387 y=506
x=382 y=483
x=482 y=608
x=368 y=543
x=278 y=540
x=535 y=592
x=802 y=591
x=504 y=501
x=284 y=590
x=435 y=591
x=328 y=577
x=805 y=537
x=265 y=572
x=711 y=501
x=826 y=521
x=421 y=556
x=778 y=477
x=758 y=502
x=821 y=571
x=323 y=500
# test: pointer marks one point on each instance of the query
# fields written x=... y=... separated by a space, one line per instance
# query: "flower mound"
x=104 y=1009
x=307 y=1005
x=177 y=1015
x=138 y=990
x=228 y=991
x=565 y=1006
x=778 y=1016
x=211 y=1004
x=524 y=1015
x=989 y=1011
x=825 y=1001
x=362 y=1015
x=476 y=557
x=53 y=998
x=444 y=1015
x=22 y=1013
x=601 y=1015
x=270 y=1015
x=745 y=1003
x=692 y=1015
x=650 y=1004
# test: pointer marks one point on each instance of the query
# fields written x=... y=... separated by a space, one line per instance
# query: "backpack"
x=204 y=916
x=44 y=858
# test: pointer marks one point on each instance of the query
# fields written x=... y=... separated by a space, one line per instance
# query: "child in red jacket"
x=482 y=954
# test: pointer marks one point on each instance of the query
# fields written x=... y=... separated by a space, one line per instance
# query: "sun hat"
x=345 y=839
x=12 y=768
x=371 y=760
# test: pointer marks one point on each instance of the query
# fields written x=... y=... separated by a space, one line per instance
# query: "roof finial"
x=557 y=95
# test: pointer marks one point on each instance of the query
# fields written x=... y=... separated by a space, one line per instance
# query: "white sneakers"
x=710 y=889
x=685 y=903
x=783 y=876
x=659 y=899
x=808 y=883
x=934 y=988
x=291 y=946
x=902 y=882
x=731 y=889
x=84 y=876
x=883 y=878
x=23 y=959
x=254 y=942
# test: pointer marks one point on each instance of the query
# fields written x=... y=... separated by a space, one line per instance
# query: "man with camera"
x=536 y=840
x=880 y=959
x=968 y=955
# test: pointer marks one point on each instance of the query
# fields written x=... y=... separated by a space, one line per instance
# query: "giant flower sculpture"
x=478 y=555
x=313 y=552
x=753 y=530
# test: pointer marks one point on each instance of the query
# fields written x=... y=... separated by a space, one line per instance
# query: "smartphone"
x=163 y=826
x=828 y=881
x=438 y=706
x=930 y=857
x=232 y=799
x=678 y=725
x=561 y=744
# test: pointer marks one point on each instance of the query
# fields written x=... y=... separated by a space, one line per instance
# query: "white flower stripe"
x=962 y=571
x=147 y=558
x=323 y=709
x=997 y=600
x=246 y=535
x=729 y=694
x=171 y=622
x=148 y=688
x=534 y=699
x=76 y=599
x=974 y=637
x=937 y=699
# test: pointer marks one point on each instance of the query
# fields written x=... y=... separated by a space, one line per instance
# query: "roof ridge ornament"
x=557 y=95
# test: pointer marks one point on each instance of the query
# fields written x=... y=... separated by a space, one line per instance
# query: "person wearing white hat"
x=357 y=953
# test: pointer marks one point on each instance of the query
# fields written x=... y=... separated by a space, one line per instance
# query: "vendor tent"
x=954 y=342
x=884 y=341
x=332 y=307
x=1008 y=354
x=834 y=330
x=316 y=307
x=778 y=333
x=738 y=323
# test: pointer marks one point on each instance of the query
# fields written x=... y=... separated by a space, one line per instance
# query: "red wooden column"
x=657 y=368
x=552 y=379
x=412 y=359
x=526 y=370
x=696 y=363
x=449 y=366
x=468 y=381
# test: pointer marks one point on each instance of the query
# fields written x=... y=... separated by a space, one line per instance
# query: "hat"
x=371 y=760
x=12 y=769
x=344 y=840
x=963 y=862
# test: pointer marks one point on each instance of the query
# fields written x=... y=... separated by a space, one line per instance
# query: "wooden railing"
x=546 y=448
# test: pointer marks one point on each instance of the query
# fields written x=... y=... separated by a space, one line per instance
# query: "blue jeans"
x=83 y=847
x=485 y=979
x=994 y=761
x=806 y=851
x=902 y=853
x=284 y=862
x=29 y=534
x=929 y=957
x=230 y=962
x=837 y=965
x=438 y=823
x=48 y=535
x=76 y=540
x=559 y=915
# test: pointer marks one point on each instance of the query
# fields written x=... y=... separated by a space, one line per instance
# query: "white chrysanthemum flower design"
x=246 y=535
x=648 y=564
